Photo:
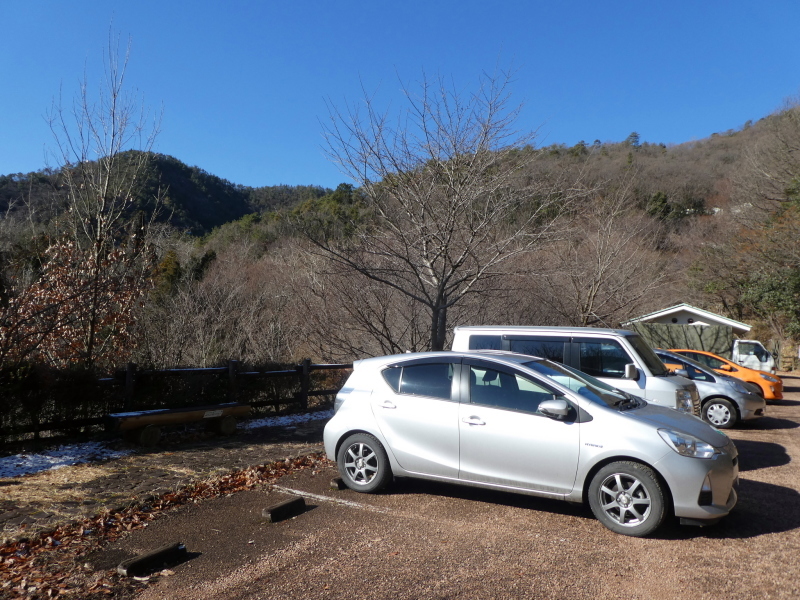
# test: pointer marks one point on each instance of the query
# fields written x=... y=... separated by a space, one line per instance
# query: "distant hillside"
x=671 y=181
x=194 y=200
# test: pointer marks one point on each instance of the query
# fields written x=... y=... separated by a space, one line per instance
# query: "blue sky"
x=244 y=84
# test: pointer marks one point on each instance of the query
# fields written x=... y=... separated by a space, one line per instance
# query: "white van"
x=616 y=356
x=753 y=355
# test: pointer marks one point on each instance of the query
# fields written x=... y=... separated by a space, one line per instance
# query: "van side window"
x=603 y=358
x=485 y=342
x=549 y=349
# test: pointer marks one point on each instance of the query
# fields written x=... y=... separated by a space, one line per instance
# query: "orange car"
x=770 y=385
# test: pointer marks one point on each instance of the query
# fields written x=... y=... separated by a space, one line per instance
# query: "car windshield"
x=587 y=386
x=750 y=348
x=649 y=357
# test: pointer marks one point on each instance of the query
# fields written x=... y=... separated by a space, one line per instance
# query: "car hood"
x=668 y=418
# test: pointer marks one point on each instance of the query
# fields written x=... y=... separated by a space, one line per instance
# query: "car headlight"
x=687 y=445
x=769 y=378
x=683 y=401
x=738 y=387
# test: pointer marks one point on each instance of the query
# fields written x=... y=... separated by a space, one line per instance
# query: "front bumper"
x=686 y=476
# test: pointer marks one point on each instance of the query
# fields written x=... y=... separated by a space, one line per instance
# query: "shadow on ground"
x=760 y=455
x=763 y=508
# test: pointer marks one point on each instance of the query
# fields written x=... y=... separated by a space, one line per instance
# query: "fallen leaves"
x=48 y=565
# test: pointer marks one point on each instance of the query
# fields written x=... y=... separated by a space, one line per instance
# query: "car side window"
x=694 y=373
x=549 y=349
x=485 y=342
x=427 y=379
x=604 y=358
x=712 y=362
x=500 y=389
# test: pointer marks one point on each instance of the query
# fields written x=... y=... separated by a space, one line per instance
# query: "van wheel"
x=720 y=413
x=627 y=498
x=363 y=463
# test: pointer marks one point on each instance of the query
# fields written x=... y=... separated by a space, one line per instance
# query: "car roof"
x=510 y=358
x=706 y=352
x=521 y=329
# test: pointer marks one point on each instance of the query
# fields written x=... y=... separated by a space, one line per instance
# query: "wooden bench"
x=144 y=426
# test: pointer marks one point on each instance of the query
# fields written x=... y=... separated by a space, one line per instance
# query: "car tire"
x=628 y=498
x=720 y=413
x=363 y=463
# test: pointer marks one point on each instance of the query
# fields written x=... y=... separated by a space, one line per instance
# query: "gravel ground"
x=430 y=540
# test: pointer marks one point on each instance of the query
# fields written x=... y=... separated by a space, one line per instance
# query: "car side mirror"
x=555 y=408
x=726 y=368
x=682 y=373
x=631 y=372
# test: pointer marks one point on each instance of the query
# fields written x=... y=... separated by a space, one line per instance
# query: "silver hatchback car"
x=516 y=423
x=725 y=401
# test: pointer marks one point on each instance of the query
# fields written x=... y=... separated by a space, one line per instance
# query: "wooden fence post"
x=304 y=369
x=130 y=384
x=233 y=371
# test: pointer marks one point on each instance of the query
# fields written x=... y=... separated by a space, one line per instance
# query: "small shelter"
x=686 y=314
x=686 y=326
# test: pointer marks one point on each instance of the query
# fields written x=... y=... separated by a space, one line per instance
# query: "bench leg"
x=148 y=436
x=226 y=425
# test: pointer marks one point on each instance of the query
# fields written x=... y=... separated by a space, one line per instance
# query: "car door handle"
x=388 y=404
x=473 y=420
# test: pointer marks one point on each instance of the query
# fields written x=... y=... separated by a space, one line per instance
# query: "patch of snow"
x=286 y=420
x=63 y=456
x=74 y=454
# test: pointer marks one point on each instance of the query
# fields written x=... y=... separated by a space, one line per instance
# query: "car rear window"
x=427 y=379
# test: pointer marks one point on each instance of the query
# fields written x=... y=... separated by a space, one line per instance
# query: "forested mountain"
x=192 y=199
x=672 y=181
x=591 y=235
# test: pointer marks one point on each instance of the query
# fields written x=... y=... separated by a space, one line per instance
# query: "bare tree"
x=242 y=309
x=448 y=198
x=104 y=145
x=771 y=173
x=349 y=315
x=608 y=265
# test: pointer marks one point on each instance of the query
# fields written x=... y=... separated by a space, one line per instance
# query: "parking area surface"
x=430 y=540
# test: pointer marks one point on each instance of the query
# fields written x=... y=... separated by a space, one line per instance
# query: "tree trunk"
x=438 y=327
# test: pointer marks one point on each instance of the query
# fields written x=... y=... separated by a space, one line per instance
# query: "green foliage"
x=337 y=214
x=579 y=149
x=660 y=206
x=167 y=274
x=633 y=140
x=271 y=198
x=198 y=266
x=253 y=227
x=793 y=190
x=776 y=292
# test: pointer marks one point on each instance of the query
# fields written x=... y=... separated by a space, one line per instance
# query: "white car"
x=517 y=423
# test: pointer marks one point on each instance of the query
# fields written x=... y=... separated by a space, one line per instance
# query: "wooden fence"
x=232 y=384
